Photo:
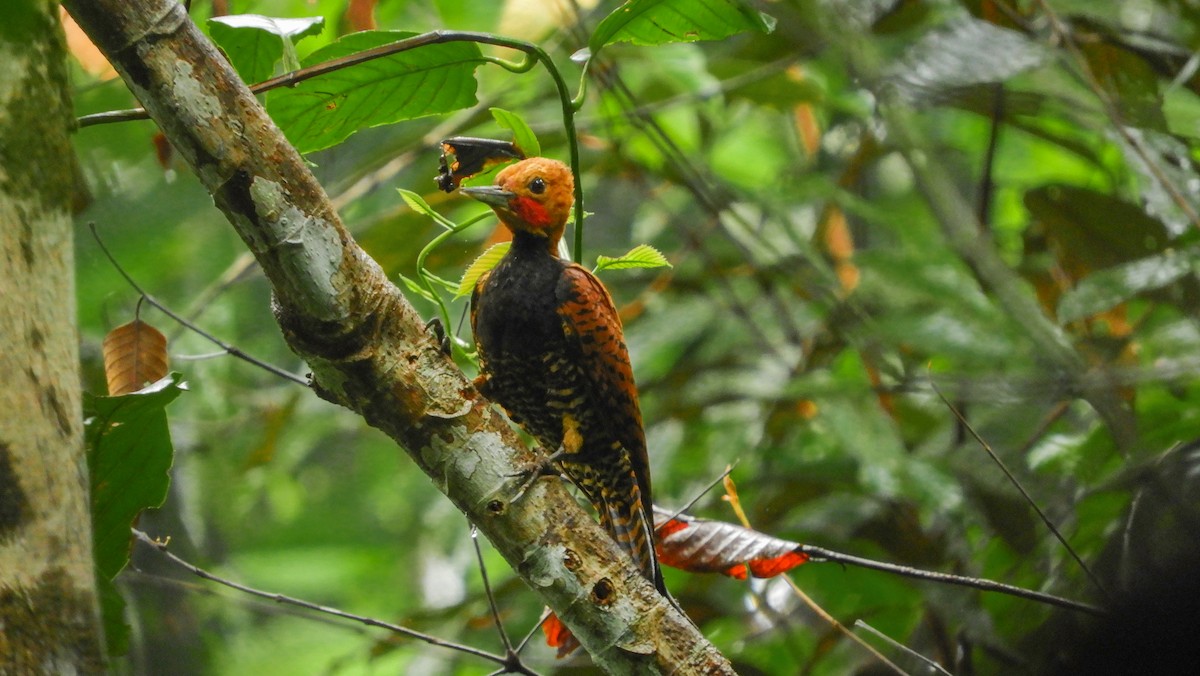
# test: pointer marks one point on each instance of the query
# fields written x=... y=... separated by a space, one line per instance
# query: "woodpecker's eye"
x=537 y=186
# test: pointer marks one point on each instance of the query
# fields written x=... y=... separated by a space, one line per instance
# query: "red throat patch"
x=531 y=211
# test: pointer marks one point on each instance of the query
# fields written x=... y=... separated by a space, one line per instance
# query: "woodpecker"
x=553 y=355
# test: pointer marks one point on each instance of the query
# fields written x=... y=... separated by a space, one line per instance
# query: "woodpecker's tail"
x=631 y=525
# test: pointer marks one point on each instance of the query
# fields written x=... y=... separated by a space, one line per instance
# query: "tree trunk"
x=48 y=613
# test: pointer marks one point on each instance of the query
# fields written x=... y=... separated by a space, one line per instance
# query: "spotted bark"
x=48 y=613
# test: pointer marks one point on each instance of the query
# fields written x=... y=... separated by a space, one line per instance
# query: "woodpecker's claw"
x=439 y=331
x=546 y=466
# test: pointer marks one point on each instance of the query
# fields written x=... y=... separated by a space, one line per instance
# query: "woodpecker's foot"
x=546 y=466
x=439 y=331
x=483 y=384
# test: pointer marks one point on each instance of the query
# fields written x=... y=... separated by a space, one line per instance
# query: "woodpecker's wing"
x=593 y=330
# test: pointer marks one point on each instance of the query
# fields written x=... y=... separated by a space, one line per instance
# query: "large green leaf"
x=481 y=265
x=254 y=43
x=658 y=22
x=325 y=110
x=129 y=454
x=1091 y=230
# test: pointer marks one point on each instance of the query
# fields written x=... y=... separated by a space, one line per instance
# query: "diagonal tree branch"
x=368 y=348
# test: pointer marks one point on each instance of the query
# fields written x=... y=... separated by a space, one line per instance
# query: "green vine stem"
x=568 y=112
x=428 y=279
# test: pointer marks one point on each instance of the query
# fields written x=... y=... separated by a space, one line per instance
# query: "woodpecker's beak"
x=490 y=195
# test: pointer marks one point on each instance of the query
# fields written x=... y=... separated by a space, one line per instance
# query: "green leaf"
x=419 y=205
x=1093 y=230
x=658 y=22
x=486 y=261
x=325 y=110
x=640 y=256
x=416 y=202
x=129 y=455
x=1107 y=288
x=523 y=136
x=417 y=288
x=254 y=43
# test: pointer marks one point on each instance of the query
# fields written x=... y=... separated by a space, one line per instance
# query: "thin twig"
x=161 y=547
x=711 y=485
x=820 y=553
x=933 y=666
x=240 y=269
x=487 y=588
x=199 y=357
x=533 y=631
x=841 y=628
x=141 y=577
x=1125 y=571
x=1050 y=418
x=229 y=349
x=1025 y=494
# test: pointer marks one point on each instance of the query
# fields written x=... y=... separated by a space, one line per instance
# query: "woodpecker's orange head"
x=532 y=196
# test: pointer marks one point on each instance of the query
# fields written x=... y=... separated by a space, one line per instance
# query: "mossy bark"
x=48 y=612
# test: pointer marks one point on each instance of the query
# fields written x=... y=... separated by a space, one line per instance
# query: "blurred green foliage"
x=814 y=304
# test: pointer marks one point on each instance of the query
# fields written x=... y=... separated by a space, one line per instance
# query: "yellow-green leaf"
x=486 y=261
x=640 y=256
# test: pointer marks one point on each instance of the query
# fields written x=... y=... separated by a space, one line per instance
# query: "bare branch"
x=1012 y=479
x=949 y=578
